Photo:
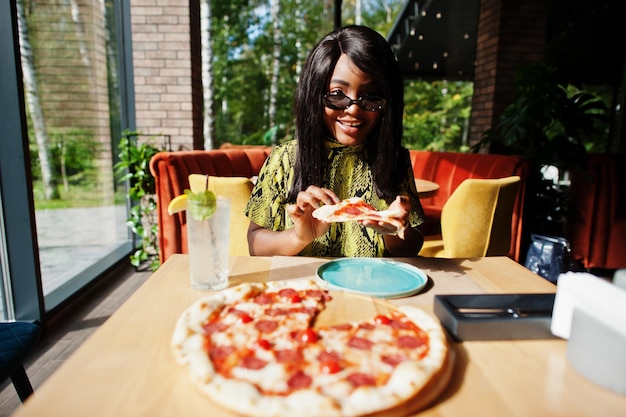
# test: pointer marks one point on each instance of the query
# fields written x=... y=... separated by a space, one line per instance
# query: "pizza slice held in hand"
x=355 y=208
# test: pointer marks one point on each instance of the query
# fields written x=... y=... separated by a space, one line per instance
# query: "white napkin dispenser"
x=591 y=313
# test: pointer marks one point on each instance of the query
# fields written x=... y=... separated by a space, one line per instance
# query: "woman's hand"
x=264 y=242
x=307 y=228
x=413 y=239
x=402 y=206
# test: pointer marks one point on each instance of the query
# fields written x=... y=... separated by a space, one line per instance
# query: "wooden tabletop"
x=126 y=368
x=426 y=188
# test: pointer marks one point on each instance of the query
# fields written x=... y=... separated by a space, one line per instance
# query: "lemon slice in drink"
x=178 y=204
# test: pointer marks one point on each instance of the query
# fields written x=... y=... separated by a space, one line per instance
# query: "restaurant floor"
x=70 y=328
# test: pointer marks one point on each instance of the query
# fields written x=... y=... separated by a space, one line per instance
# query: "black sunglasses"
x=339 y=101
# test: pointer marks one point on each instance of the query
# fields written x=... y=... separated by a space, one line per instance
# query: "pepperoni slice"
x=222 y=357
x=367 y=326
x=401 y=324
x=290 y=294
x=288 y=355
x=318 y=294
x=311 y=311
x=213 y=327
x=263 y=299
x=410 y=342
x=360 y=343
x=360 y=379
x=266 y=326
x=252 y=362
x=342 y=327
x=274 y=312
x=233 y=310
x=393 y=360
x=328 y=356
x=287 y=292
x=299 y=380
x=217 y=353
x=330 y=362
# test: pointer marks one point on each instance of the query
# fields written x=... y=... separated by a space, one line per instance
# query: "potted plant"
x=549 y=123
x=133 y=169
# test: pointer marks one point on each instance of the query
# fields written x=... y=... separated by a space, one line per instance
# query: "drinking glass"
x=208 y=246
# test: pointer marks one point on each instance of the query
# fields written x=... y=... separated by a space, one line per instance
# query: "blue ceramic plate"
x=372 y=276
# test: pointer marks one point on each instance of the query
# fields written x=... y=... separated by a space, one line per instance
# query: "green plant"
x=551 y=123
x=133 y=169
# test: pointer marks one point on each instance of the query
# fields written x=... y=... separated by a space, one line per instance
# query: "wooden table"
x=126 y=368
x=426 y=188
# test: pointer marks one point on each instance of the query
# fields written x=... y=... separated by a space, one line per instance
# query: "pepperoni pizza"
x=256 y=349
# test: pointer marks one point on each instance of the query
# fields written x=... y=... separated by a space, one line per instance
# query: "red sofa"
x=596 y=225
x=448 y=169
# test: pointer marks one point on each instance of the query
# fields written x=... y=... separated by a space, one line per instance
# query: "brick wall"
x=71 y=67
x=166 y=84
x=511 y=35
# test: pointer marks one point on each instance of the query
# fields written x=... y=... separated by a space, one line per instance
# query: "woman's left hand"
x=402 y=206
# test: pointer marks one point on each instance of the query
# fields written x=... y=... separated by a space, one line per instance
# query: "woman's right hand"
x=307 y=228
x=290 y=242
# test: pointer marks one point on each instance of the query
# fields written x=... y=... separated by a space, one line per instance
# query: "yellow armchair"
x=475 y=220
x=238 y=190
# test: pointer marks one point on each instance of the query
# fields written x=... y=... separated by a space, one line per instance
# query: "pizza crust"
x=412 y=386
x=246 y=399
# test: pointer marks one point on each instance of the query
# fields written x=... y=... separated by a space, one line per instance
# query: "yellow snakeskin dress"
x=348 y=175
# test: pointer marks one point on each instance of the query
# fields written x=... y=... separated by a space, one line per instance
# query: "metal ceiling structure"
x=435 y=39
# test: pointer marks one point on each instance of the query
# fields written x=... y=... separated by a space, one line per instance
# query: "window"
x=71 y=114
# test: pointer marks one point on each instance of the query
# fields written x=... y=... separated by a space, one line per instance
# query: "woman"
x=348 y=106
